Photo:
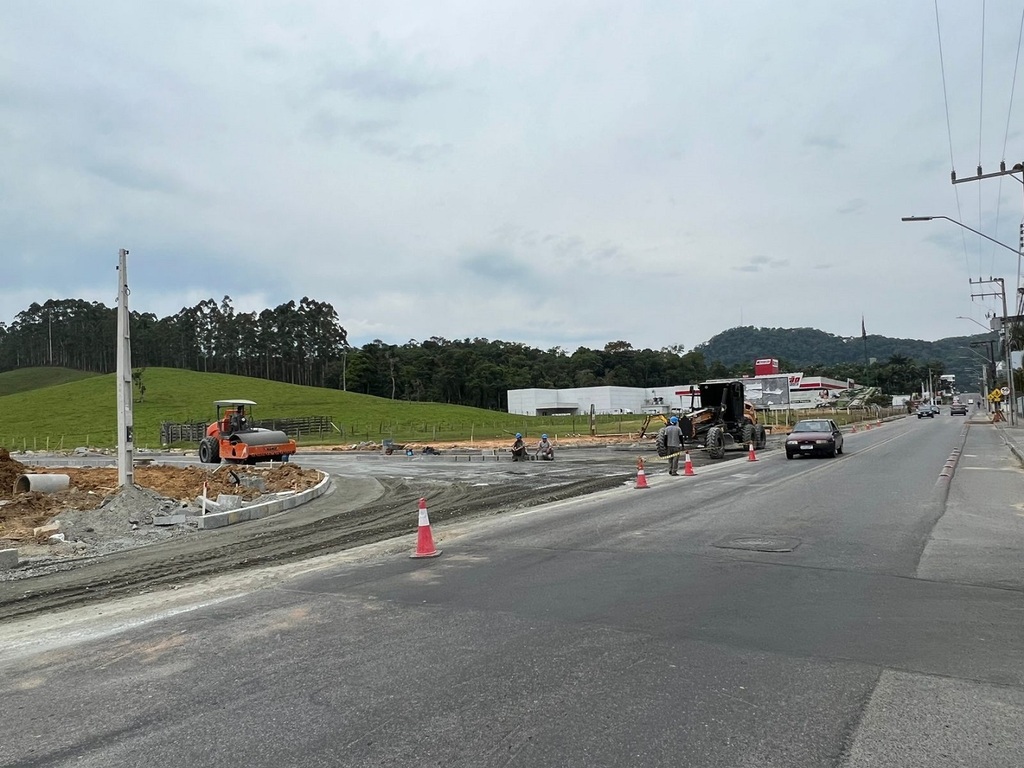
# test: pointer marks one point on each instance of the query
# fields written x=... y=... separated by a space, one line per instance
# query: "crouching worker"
x=519 y=448
x=545 y=450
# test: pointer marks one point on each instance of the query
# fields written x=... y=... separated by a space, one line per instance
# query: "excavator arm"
x=647 y=422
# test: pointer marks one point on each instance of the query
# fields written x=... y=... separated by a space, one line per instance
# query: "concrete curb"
x=1010 y=442
x=265 y=508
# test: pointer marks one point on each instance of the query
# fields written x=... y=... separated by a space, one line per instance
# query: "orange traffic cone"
x=425 y=539
x=687 y=465
x=869 y=425
x=879 y=421
x=751 y=456
x=854 y=428
x=641 y=478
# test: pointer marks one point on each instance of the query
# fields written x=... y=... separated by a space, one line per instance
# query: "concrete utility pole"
x=1006 y=339
x=125 y=423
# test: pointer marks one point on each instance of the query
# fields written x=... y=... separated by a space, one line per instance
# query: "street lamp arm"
x=983 y=357
x=959 y=224
x=980 y=325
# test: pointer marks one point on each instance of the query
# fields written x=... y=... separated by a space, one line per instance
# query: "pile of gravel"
x=124 y=520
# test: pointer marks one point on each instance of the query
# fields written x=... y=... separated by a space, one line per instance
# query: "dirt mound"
x=92 y=502
x=9 y=471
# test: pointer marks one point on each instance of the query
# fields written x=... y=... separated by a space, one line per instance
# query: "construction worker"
x=545 y=451
x=518 y=448
x=674 y=443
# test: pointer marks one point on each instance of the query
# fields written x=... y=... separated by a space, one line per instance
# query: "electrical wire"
x=1006 y=136
x=981 y=114
x=1006 y=139
x=981 y=89
x=949 y=134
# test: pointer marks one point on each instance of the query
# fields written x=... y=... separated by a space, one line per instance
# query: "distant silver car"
x=958 y=409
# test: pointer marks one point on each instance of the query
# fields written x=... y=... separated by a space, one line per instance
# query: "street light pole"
x=960 y=224
x=1002 y=287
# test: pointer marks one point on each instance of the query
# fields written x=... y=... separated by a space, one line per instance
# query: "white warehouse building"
x=605 y=400
x=549 y=402
x=769 y=392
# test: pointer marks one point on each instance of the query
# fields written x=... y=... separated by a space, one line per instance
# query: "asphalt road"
x=862 y=611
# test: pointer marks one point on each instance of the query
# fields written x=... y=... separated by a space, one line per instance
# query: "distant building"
x=771 y=392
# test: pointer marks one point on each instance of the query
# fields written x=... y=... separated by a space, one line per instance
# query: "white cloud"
x=552 y=174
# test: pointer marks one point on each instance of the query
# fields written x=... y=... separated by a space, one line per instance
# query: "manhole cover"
x=760 y=543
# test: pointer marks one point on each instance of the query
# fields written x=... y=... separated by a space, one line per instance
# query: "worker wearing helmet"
x=519 y=448
x=545 y=451
x=674 y=442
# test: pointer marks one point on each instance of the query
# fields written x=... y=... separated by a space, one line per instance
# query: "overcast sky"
x=558 y=174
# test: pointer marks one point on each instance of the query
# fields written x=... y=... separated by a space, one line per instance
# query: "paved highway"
x=861 y=611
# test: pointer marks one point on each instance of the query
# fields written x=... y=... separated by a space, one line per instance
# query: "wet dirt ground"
x=373 y=498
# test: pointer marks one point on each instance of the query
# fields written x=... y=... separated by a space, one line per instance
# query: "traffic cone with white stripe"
x=687 y=465
x=641 y=477
x=425 y=539
x=751 y=456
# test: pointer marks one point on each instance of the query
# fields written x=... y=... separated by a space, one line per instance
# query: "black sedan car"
x=814 y=437
x=926 y=410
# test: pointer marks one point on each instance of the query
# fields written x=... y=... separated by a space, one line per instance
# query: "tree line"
x=304 y=343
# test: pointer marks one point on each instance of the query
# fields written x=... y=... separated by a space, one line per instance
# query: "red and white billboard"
x=766 y=366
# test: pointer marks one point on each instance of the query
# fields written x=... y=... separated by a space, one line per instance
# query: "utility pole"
x=1006 y=338
x=1003 y=171
x=125 y=428
x=988 y=370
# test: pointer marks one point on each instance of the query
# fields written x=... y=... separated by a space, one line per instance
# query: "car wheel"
x=840 y=448
x=789 y=455
x=833 y=452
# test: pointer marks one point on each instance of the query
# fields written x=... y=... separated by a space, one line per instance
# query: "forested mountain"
x=814 y=351
x=304 y=343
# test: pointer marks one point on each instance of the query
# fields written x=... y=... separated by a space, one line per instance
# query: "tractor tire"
x=661 y=442
x=209 y=451
x=748 y=435
x=760 y=437
x=715 y=443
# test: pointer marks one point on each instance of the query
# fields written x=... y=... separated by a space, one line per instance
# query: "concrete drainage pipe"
x=41 y=483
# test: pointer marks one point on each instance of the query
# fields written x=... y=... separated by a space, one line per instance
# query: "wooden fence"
x=299 y=427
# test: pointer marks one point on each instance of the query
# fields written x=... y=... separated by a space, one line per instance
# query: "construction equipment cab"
x=724 y=419
x=232 y=437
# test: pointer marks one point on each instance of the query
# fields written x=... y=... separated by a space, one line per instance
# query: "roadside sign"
x=1005 y=390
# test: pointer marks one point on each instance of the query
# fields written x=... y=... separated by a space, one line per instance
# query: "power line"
x=949 y=134
x=1006 y=139
x=981 y=92
x=981 y=114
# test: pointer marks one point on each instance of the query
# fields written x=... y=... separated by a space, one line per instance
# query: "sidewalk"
x=1012 y=436
x=980 y=536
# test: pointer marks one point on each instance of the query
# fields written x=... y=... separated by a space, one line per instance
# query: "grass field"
x=83 y=412
x=28 y=379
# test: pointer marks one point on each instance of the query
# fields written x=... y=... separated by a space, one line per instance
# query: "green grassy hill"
x=27 y=379
x=84 y=412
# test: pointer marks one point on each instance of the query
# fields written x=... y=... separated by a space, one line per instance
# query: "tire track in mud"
x=254 y=545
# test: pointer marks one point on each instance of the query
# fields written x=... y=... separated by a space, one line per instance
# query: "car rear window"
x=811 y=426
